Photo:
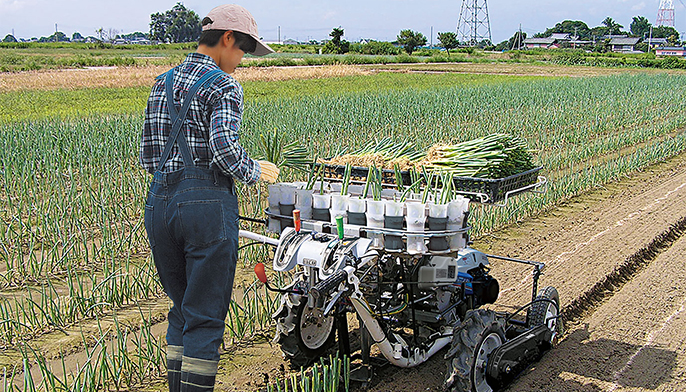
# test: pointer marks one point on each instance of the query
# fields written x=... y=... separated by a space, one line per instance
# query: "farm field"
x=78 y=286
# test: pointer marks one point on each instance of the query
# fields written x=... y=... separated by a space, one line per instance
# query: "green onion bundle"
x=494 y=156
x=291 y=155
x=388 y=149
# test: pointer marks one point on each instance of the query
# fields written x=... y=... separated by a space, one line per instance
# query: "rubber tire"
x=478 y=324
x=537 y=313
x=292 y=345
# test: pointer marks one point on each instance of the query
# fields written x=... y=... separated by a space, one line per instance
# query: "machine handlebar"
x=322 y=289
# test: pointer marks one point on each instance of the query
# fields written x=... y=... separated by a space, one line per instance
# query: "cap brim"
x=262 y=49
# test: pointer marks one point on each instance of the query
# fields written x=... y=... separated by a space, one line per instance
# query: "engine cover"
x=321 y=251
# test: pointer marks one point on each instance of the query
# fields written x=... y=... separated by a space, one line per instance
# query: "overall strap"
x=178 y=117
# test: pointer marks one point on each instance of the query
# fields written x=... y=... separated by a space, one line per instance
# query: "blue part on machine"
x=463 y=277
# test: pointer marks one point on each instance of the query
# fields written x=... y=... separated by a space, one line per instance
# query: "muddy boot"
x=197 y=375
x=174 y=356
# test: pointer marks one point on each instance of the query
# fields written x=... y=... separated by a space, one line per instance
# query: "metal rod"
x=528 y=262
x=258 y=237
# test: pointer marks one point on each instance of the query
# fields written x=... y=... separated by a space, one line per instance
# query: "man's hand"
x=269 y=171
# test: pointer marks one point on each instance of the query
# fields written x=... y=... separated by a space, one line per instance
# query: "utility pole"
x=279 y=39
x=432 y=37
x=650 y=39
x=55 y=32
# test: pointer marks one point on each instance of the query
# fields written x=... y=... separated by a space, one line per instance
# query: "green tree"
x=9 y=38
x=178 y=24
x=612 y=27
x=448 y=40
x=336 y=45
x=666 y=32
x=76 y=36
x=640 y=26
x=411 y=40
x=56 y=37
x=573 y=27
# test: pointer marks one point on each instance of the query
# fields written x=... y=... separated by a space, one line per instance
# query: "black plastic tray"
x=474 y=188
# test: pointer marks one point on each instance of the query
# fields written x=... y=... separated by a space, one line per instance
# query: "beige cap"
x=236 y=18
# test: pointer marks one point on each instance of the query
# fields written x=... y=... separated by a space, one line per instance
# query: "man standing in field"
x=190 y=145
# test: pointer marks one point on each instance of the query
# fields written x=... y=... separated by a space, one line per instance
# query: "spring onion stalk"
x=346 y=179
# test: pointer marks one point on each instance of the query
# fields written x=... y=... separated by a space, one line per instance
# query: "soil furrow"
x=633 y=265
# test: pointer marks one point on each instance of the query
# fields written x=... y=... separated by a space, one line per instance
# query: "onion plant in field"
x=72 y=243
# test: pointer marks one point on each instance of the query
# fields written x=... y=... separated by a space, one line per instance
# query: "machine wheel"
x=303 y=333
x=541 y=312
x=473 y=341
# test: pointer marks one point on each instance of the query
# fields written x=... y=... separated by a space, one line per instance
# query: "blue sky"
x=304 y=20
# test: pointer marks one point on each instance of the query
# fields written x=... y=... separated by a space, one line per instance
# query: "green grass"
x=61 y=104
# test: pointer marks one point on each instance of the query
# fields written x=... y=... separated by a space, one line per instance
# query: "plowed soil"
x=615 y=255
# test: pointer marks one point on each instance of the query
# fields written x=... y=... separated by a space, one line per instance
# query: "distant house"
x=657 y=42
x=544 y=43
x=140 y=41
x=561 y=36
x=290 y=41
x=671 y=51
x=624 y=45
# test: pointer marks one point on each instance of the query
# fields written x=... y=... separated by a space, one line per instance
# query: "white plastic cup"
x=415 y=244
x=438 y=210
x=357 y=205
x=416 y=211
x=321 y=201
x=339 y=206
x=456 y=241
x=274 y=196
x=375 y=208
x=303 y=202
x=415 y=224
x=339 y=202
x=457 y=210
x=393 y=208
x=287 y=196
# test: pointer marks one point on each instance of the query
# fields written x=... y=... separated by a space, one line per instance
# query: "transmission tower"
x=665 y=15
x=473 y=27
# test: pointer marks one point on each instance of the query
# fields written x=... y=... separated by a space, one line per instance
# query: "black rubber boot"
x=174 y=360
x=198 y=375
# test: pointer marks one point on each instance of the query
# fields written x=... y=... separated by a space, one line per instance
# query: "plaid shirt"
x=211 y=126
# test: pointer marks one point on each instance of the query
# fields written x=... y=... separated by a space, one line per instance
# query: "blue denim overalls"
x=191 y=217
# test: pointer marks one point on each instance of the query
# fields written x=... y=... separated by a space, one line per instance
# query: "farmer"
x=191 y=213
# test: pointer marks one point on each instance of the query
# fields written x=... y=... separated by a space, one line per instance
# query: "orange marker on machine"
x=296 y=220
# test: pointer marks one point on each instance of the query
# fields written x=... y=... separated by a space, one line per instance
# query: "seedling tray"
x=481 y=190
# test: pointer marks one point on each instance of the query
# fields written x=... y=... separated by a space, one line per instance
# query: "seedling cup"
x=356 y=211
x=375 y=219
x=303 y=202
x=321 y=206
x=393 y=219
x=339 y=206
x=416 y=218
x=437 y=221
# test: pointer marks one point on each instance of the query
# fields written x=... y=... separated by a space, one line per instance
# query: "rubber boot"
x=174 y=360
x=198 y=375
